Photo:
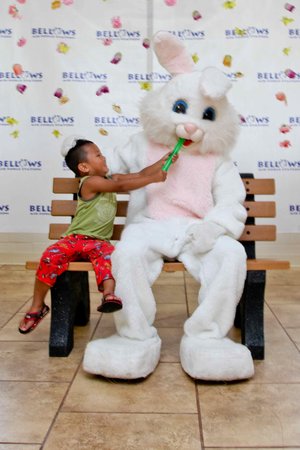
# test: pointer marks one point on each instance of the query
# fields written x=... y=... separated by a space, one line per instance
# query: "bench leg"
x=252 y=313
x=70 y=304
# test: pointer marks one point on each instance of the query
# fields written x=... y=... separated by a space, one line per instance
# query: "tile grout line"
x=201 y=436
x=67 y=391
x=199 y=417
x=283 y=327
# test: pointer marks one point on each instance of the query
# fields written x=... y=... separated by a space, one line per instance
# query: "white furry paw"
x=215 y=359
x=123 y=358
x=204 y=235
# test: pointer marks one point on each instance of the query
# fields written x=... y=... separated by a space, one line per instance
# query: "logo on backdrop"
x=294 y=33
x=55 y=32
x=52 y=121
x=278 y=165
x=6 y=33
x=6 y=121
x=116 y=121
x=294 y=120
x=21 y=164
x=153 y=77
x=287 y=75
x=39 y=210
x=254 y=121
x=88 y=76
x=119 y=35
x=247 y=33
x=188 y=34
x=294 y=209
x=4 y=209
x=25 y=76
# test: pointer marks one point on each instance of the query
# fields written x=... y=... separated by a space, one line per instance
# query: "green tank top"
x=94 y=217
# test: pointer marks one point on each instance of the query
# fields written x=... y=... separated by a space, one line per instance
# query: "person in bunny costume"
x=196 y=216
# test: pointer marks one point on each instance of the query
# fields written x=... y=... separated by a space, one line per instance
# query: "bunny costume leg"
x=205 y=351
x=137 y=261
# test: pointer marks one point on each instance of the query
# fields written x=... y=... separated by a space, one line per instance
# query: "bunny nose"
x=190 y=128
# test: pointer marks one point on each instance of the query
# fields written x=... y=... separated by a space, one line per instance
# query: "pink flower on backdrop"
x=285 y=144
x=107 y=41
x=102 y=90
x=196 y=15
x=170 y=2
x=289 y=7
x=285 y=129
x=21 y=88
x=21 y=1
x=21 y=42
x=58 y=93
x=281 y=97
x=18 y=69
x=116 y=22
x=290 y=73
x=68 y=2
x=14 y=12
x=146 y=43
x=117 y=58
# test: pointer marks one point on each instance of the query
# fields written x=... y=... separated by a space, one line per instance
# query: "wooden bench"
x=70 y=300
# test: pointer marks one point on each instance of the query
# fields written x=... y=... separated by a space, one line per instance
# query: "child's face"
x=95 y=161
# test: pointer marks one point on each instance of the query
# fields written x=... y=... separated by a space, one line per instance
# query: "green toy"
x=176 y=149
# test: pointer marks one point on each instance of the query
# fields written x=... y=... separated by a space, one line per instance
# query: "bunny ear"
x=171 y=54
x=214 y=83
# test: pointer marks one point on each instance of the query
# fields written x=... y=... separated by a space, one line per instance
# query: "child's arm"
x=124 y=182
x=150 y=169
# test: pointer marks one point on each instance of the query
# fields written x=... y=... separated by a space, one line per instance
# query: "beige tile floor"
x=50 y=403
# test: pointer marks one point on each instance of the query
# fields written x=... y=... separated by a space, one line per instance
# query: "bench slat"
x=260 y=209
x=65 y=185
x=263 y=186
x=252 y=264
x=57 y=229
x=251 y=232
x=68 y=208
x=259 y=233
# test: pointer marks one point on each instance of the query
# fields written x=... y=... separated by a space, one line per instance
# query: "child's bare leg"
x=108 y=286
x=39 y=293
x=110 y=302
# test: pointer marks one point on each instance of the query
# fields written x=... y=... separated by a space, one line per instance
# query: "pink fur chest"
x=187 y=189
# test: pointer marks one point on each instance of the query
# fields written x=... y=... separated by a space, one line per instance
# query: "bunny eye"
x=180 y=107
x=209 y=114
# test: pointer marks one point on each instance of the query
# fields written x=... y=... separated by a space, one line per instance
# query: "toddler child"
x=87 y=237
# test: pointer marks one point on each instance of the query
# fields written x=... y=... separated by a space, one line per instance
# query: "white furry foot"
x=215 y=359
x=119 y=357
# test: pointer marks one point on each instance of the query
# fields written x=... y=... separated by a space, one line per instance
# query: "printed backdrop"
x=74 y=66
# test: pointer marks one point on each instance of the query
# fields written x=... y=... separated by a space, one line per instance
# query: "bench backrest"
x=255 y=209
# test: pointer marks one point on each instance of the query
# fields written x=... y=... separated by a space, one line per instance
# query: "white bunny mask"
x=193 y=105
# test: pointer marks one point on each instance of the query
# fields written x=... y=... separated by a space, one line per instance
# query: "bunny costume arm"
x=229 y=194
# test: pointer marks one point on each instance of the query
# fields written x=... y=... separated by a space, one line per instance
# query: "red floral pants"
x=76 y=247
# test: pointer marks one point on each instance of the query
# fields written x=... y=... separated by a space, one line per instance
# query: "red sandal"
x=35 y=318
x=110 y=303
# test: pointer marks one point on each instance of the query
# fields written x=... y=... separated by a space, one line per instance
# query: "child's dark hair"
x=76 y=155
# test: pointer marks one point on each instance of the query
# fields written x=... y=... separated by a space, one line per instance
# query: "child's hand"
x=160 y=175
x=166 y=156
x=155 y=170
